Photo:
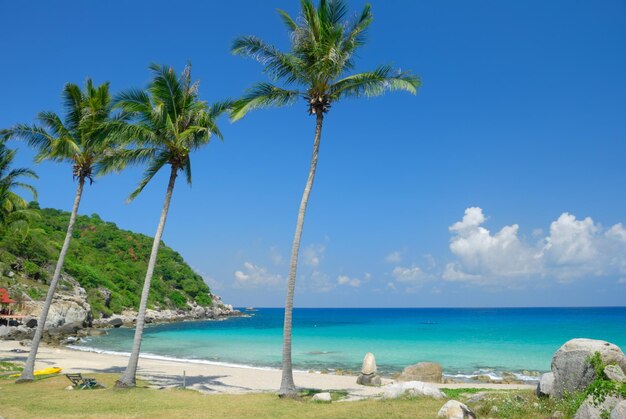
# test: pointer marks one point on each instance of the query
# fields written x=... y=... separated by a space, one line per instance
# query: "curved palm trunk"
x=128 y=377
x=287 y=386
x=29 y=367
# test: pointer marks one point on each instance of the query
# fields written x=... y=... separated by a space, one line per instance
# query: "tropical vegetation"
x=167 y=122
x=81 y=139
x=316 y=69
x=14 y=212
x=108 y=262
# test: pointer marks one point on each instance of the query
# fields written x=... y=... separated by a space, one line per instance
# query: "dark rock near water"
x=116 y=322
x=32 y=322
x=369 y=380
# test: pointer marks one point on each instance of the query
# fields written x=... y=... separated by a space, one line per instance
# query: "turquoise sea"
x=464 y=341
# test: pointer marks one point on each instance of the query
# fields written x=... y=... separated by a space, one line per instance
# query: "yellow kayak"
x=45 y=371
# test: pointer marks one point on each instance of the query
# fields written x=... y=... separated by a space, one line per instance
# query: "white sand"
x=208 y=378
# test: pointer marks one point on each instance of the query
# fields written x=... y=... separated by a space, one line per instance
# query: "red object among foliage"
x=4 y=297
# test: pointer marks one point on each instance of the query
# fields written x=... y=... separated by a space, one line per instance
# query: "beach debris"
x=368 y=376
x=545 y=386
x=619 y=411
x=593 y=409
x=455 y=410
x=429 y=372
x=412 y=388
x=572 y=367
x=614 y=373
x=322 y=397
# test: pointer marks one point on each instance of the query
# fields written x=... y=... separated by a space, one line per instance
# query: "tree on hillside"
x=14 y=211
x=82 y=138
x=169 y=122
x=323 y=46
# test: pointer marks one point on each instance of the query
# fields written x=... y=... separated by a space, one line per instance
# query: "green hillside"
x=101 y=257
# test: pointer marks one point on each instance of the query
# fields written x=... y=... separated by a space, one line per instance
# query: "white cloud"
x=320 y=282
x=394 y=257
x=276 y=256
x=411 y=274
x=313 y=255
x=253 y=276
x=573 y=249
x=346 y=280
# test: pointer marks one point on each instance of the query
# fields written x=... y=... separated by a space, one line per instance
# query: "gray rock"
x=614 y=373
x=545 y=386
x=589 y=409
x=369 y=364
x=116 y=322
x=411 y=388
x=429 y=372
x=478 y=397
x=369 y=380
x=322 y=397
x=619 y=411
x=455 y=410
x=572 y=369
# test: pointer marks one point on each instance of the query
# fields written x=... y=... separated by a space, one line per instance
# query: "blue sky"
x=500 y=184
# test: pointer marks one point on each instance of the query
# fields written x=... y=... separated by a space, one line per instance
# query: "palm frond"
x=278 y=64
x=154 y=166
x=287 y=20
x=374 y=83
x=117 y=160
x=262 y=95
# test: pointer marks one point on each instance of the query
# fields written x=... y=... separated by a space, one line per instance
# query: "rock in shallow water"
x=429 y=372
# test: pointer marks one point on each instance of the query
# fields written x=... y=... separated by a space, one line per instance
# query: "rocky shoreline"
x=71 y=317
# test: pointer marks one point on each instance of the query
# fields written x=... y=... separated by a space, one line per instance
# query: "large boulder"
x=412 y=388
x=455 y=410
x=545 y=386
x=614 y=373
x=571 y=363
x=591 y=409
x=429 y=372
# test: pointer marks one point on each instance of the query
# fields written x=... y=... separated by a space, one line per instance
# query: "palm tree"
x=14 y=211
x=323 y=47
x=169 y=122
x=81 y=138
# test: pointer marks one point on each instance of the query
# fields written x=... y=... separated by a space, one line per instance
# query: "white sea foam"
x=174 y=359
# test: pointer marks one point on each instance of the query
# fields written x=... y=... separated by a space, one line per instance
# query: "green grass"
x=48 y=398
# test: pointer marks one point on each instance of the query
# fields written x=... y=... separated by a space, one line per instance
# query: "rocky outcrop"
x=455 y=410
x=429 y=372
x=411 y=388
x=571 y=364
x=70 y=313
x=614 y=373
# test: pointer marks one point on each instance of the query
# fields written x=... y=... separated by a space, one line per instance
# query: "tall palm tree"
x=14 y=211
x=168 y=123
x=81 y=139
x=323 y=47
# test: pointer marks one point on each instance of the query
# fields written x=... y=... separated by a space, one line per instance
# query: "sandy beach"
x=207 y=378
